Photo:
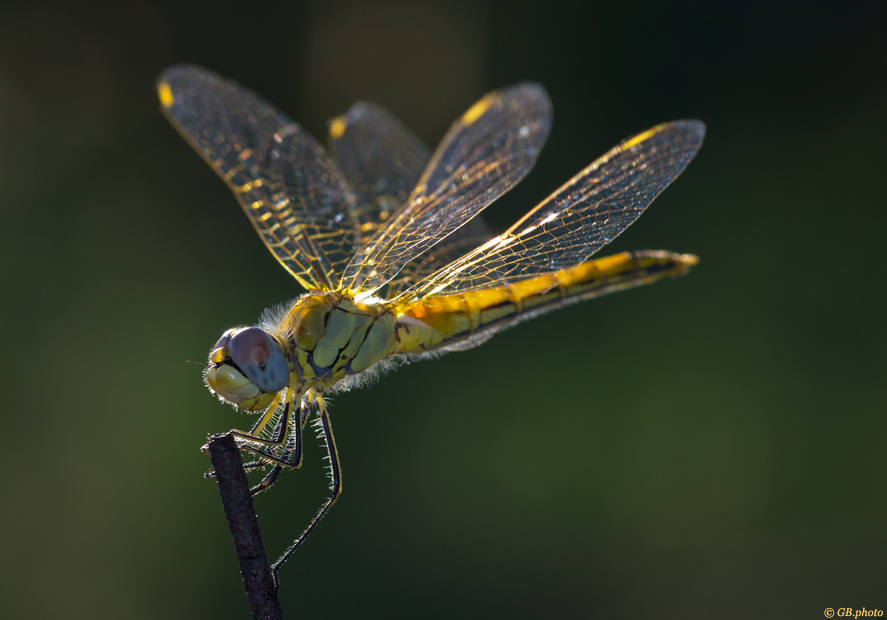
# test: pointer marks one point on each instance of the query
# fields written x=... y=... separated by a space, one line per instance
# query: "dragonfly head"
x=247 y=368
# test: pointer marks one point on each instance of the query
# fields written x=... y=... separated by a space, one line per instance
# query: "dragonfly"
x=385 y=239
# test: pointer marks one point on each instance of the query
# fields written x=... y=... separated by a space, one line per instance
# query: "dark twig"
x=238 y=503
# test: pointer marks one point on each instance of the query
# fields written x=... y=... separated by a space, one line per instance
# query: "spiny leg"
x=266 y=482
x=291 y=456
x=266 y=459
x=259 y=426
x=304 y=417
x=295 y=460
x=293 y=447
x=278 y=435
x=335 y=487
x=295 y=452
x=279 y=432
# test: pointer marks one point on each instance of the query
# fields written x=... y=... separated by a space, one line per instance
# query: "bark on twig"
x=238 y=503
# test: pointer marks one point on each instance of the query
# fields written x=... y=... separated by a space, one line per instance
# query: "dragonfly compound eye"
x=259 y=358
x=247 y=368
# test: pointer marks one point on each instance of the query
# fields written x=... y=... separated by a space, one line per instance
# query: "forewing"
x=579 y=218
x=489 y=149
x=383 y=161
x=288 y=186
x=473 y=234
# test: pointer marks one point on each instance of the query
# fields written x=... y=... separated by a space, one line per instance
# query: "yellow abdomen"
x=467 y=319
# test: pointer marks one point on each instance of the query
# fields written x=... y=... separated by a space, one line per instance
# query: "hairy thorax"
x=327 y=337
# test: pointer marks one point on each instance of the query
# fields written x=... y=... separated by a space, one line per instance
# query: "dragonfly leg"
x=335 y=486
x=294 y=452
x=279 y=430
x=266 y=416
x=292 y=455
x=266 y=482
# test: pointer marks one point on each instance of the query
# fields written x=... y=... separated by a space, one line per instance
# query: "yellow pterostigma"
x=383 y=236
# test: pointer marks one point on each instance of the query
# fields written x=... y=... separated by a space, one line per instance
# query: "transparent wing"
x=489 y=149
x=383 y=162
x=578 y=219
x=288 y=186
x=465 y=239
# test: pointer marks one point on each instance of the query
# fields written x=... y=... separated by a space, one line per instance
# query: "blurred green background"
x=712 y=446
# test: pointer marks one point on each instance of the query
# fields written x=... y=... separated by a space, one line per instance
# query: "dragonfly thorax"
x=329 y=336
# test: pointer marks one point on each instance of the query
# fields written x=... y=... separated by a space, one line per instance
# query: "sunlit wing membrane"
x=383 y=161
x=465 y=239
x=288 y=186
x=579 y=218
x=489 y=149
